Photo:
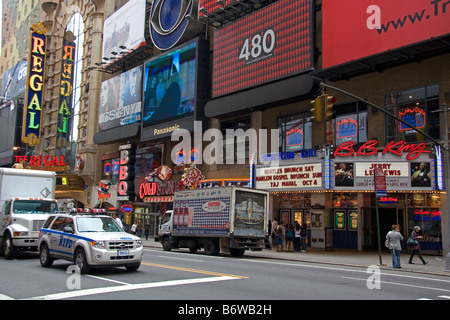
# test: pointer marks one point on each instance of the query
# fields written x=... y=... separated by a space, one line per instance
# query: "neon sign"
x=415 y=117
x=433 y=214
x=32 y=118
x=369 y=148
x=294 y=137
x=347 y=128
x=66 y=86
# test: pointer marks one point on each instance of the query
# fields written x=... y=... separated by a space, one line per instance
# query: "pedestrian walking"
x=119 y=222
x=304 y=235
x=415 y=245
x=147 y=229
x=393 y=239
x=133 y=228
x=297 y=236
x=290 y=238
x=139 y=228
x=274 y=228
x=278 y=238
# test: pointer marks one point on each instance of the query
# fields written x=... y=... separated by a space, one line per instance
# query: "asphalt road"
x=193 y=278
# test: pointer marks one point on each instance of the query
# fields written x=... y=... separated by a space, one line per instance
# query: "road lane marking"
x=401 y=284
x=184 y=259
x=359 y=270
x=5 y=297
x=139 y=286
x=212 y=273
x=106 y=279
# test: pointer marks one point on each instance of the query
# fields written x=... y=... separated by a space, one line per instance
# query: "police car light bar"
x=86 y=210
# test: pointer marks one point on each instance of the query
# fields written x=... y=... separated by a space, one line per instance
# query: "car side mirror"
x=68 y=230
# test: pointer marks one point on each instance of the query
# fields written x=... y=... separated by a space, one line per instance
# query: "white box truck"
x=227 y=219
x=26 y=200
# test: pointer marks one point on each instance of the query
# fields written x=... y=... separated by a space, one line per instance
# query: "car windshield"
x=97 y=224
x=34 y=207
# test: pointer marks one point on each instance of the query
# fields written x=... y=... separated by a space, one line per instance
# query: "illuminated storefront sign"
x=126 y=172
x=167 y=188
x=399 y=148
x=32 y=118
x=415 y=117
x=65 y=111
x=289 y=177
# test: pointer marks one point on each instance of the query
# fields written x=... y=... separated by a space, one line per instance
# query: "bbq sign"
x=32 y=118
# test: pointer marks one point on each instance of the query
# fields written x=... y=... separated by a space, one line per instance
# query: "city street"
x=182 y=276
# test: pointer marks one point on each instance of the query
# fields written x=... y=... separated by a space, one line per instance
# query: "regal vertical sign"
x=65 y=110
x=32 y=118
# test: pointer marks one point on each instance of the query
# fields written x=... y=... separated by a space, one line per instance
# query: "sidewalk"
x=342 y=257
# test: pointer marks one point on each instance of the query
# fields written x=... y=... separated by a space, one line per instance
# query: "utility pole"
x=445 y=222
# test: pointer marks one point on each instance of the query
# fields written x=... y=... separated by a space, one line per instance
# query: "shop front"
x=336 y=198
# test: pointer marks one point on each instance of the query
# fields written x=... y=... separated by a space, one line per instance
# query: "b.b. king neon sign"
x=32 y=118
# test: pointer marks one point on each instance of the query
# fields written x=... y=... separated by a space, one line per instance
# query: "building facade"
x=253 y=67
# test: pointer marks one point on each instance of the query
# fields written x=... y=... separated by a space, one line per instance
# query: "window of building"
x=415 y=106
x=351 y=123
x=295 y=132
x=235 y=149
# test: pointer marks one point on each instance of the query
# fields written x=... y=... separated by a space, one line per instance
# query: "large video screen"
x=269 y=44
x=120 y=100
x=170 y=85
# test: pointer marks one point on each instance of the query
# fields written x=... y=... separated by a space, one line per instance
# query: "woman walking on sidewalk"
x=416 y=247
x=394 y=237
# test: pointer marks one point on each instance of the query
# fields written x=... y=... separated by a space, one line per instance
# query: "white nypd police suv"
x=88 y=240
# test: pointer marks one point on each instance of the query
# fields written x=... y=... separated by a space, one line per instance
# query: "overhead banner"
x=356 y=29
x=269 y=44
x=32 y=115
x=65 y=110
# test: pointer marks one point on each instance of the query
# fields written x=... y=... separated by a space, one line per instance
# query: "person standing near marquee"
x=394 y=237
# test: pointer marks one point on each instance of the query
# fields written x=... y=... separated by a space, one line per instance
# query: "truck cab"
x=21 y=220
x=164 y=229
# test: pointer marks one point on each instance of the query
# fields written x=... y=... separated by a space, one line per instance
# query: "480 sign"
x=258 y=47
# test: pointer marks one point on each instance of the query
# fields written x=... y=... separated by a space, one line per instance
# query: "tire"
x=81 y=261
x=193 y=250
x=212 y=247
x=133 y=267
x=44 y=256
x=167 y=245
x=8 y=249
x=237 y=252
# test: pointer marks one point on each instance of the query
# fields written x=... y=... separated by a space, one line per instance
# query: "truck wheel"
x=193 y=250
x=167 y=246
x=212 y=247
x=237 y=252
x=44 y=256
x=81 y=261
x=8 y=249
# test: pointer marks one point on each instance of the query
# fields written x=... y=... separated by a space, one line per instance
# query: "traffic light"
x=317 y=110
x=329 y=106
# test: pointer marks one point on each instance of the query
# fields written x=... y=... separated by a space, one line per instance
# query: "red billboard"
x=356 y=29
x=269 y=44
